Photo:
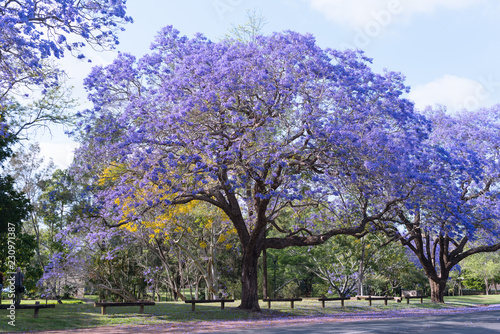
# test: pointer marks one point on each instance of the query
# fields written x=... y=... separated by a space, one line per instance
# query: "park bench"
x=410 y=297
x=323 y=299
x=291 y=300
x=140 y=303
x=37 y=306
x=370 y=298
x=193 y=302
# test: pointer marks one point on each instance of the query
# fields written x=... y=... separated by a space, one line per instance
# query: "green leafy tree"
x=41 y=112
x=483 y=266
x=14 y=207
x=58 y=204
x=16 y=248
x=343 y=259
x=28 y=168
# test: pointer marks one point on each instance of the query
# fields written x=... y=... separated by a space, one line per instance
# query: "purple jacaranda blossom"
x=455 y=212
x=34 y=31
x=256 y=129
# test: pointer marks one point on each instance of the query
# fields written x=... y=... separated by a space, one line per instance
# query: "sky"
x=448 y=50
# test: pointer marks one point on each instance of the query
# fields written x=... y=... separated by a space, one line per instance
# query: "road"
x=483 y=322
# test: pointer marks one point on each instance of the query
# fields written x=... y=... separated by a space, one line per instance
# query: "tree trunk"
x=438 y=288
x=487 y=286
x=196 y=291
x=264 y=273
x=249 y=286
x=361 y=273
x=176 y=296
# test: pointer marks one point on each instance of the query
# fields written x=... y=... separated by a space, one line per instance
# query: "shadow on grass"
x=69 y=316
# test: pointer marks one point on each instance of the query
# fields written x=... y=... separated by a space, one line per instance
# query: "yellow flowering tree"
x=197 y=230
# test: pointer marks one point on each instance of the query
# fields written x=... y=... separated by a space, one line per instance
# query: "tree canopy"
x=33 y=31
x=455 y=214
x=253 y=128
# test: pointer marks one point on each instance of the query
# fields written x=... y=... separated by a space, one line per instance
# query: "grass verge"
x=80 y=314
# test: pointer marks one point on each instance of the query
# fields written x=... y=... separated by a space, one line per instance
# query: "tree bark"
x=438 y=287
x=361 y=273
x=264 y=273
x=249 y=286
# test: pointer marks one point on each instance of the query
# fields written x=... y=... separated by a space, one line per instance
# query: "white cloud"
x=359 y=13
x=62 y=153
x=451 y=91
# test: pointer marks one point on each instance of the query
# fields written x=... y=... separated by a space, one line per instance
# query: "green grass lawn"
x=79 y=314
x=473 y=300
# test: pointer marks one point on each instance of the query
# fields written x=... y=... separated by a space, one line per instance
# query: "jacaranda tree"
x=455 y=213
x=33 y=31
x=253 y=128
x=33 y=35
